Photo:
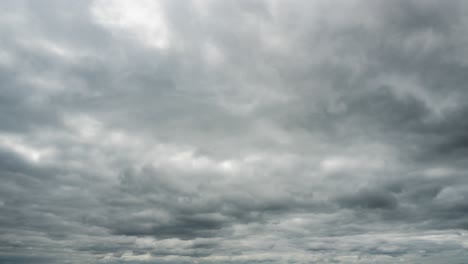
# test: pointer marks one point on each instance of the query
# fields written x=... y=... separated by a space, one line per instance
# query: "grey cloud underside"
x=233 y=132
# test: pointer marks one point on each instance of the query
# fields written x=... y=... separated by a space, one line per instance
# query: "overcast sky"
x=233 y=131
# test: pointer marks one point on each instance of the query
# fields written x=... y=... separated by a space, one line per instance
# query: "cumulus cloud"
x=233 y=131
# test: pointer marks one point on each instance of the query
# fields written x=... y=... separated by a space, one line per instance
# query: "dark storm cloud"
x=368 y=199
x=233 y=131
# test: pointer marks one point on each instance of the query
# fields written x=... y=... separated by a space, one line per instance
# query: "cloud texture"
x=237 y=131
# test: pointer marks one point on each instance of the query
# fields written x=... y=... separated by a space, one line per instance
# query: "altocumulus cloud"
x=237 y=131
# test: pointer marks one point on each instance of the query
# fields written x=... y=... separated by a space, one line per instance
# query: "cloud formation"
x=233 y=131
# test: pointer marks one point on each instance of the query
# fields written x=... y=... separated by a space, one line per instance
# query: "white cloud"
x=143 y=20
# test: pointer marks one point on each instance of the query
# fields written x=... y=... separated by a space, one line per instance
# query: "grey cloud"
x=233 y=131
x=369 y=200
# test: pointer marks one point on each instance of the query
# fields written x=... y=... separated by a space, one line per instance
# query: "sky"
x=233 y=131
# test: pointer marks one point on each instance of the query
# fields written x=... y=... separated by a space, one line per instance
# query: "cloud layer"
x=233 y=131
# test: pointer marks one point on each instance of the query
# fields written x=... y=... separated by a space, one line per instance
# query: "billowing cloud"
x=233 y=131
